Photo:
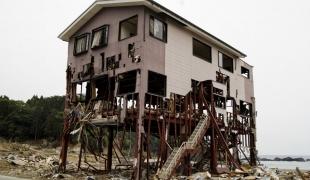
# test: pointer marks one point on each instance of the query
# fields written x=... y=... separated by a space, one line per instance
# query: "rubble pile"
x=35 y=162
x=248 y=173
x=23 y=160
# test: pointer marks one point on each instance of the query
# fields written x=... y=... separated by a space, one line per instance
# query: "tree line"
x=37 y=118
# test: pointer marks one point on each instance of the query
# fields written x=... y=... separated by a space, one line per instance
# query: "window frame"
x=165 y=83
x=120 y=83
x=249 y=75
x=122 y=21
x=233 y=63
x=106 y=26
x=200 y=57
x=75 y=43
x=165 y=33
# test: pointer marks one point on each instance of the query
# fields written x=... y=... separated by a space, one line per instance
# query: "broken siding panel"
x=111 y=17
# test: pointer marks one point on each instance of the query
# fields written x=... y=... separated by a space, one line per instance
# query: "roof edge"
x=94 y=8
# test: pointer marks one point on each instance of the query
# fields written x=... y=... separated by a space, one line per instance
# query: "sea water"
x=286 y=164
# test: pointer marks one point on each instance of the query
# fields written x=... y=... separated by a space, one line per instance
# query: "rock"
x=182 y=177
x=17 y=162
x=200 y=176
x=32 y=158
x=250 y=178
x=90 y=178
x=259 y=172
x=58 y=176
x=51 y=161
x=224 y=175
x=239 y=171
x=11 y=157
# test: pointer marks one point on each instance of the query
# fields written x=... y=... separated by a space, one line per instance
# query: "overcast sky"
x=274 y=34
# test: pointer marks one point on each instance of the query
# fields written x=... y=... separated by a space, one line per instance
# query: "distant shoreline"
x=287 y=159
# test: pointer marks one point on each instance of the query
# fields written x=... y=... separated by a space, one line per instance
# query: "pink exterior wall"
x=151 y=50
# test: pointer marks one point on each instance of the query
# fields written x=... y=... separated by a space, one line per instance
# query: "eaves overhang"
x=100 y=4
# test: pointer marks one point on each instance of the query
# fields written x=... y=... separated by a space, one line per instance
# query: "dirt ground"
x=39 y=160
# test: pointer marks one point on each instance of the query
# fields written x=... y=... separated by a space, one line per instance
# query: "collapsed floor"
x=150 y=134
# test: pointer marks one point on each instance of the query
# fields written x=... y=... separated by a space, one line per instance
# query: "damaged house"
x=137 y=70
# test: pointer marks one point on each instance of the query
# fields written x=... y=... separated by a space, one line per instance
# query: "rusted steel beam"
x=110 y=146
x=218 y=131
x=148 y=140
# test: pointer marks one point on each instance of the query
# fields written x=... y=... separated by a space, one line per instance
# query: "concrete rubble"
x=254 y=173
x=25 y=161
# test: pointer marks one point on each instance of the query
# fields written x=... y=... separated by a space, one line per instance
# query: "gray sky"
x=274 y=35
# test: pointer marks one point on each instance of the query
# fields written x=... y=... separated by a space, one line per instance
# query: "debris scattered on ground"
x=35 y=162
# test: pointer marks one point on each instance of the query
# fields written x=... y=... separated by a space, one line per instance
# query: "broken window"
x=83 y=92
x=105 y=87
x=221 y=78
x=127 y=82
x=218 y=91
x=219 y=101
x=157 y=83
x=158 y=29
x=81 y=44
x=245 y=72
x=245 y=108
x=226 y=62
x=100 y=37
x=220 y=117
x=85 y=71
x=202 y=50
x=128 y=28
x=111 y=63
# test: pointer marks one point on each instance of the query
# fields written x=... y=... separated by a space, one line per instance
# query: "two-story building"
x=138 y=55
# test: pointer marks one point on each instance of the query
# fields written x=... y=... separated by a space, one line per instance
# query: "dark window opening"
x=221 y=78
x=195 y=86
x=127 y=82
x=226 y=62
x=112 y=63
x=105 y=88
x=131 y=50
x=219 y=101
x=128 y=28
x=100 y=37
x=158 y=29
x=87 y=68
x=202 y=50
x=218 y=91
x=157 y=83
x=245 y=72
x=245 y=108
x=102 y=61
x=83 y=92
x=220 y=117
x=81 y=44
